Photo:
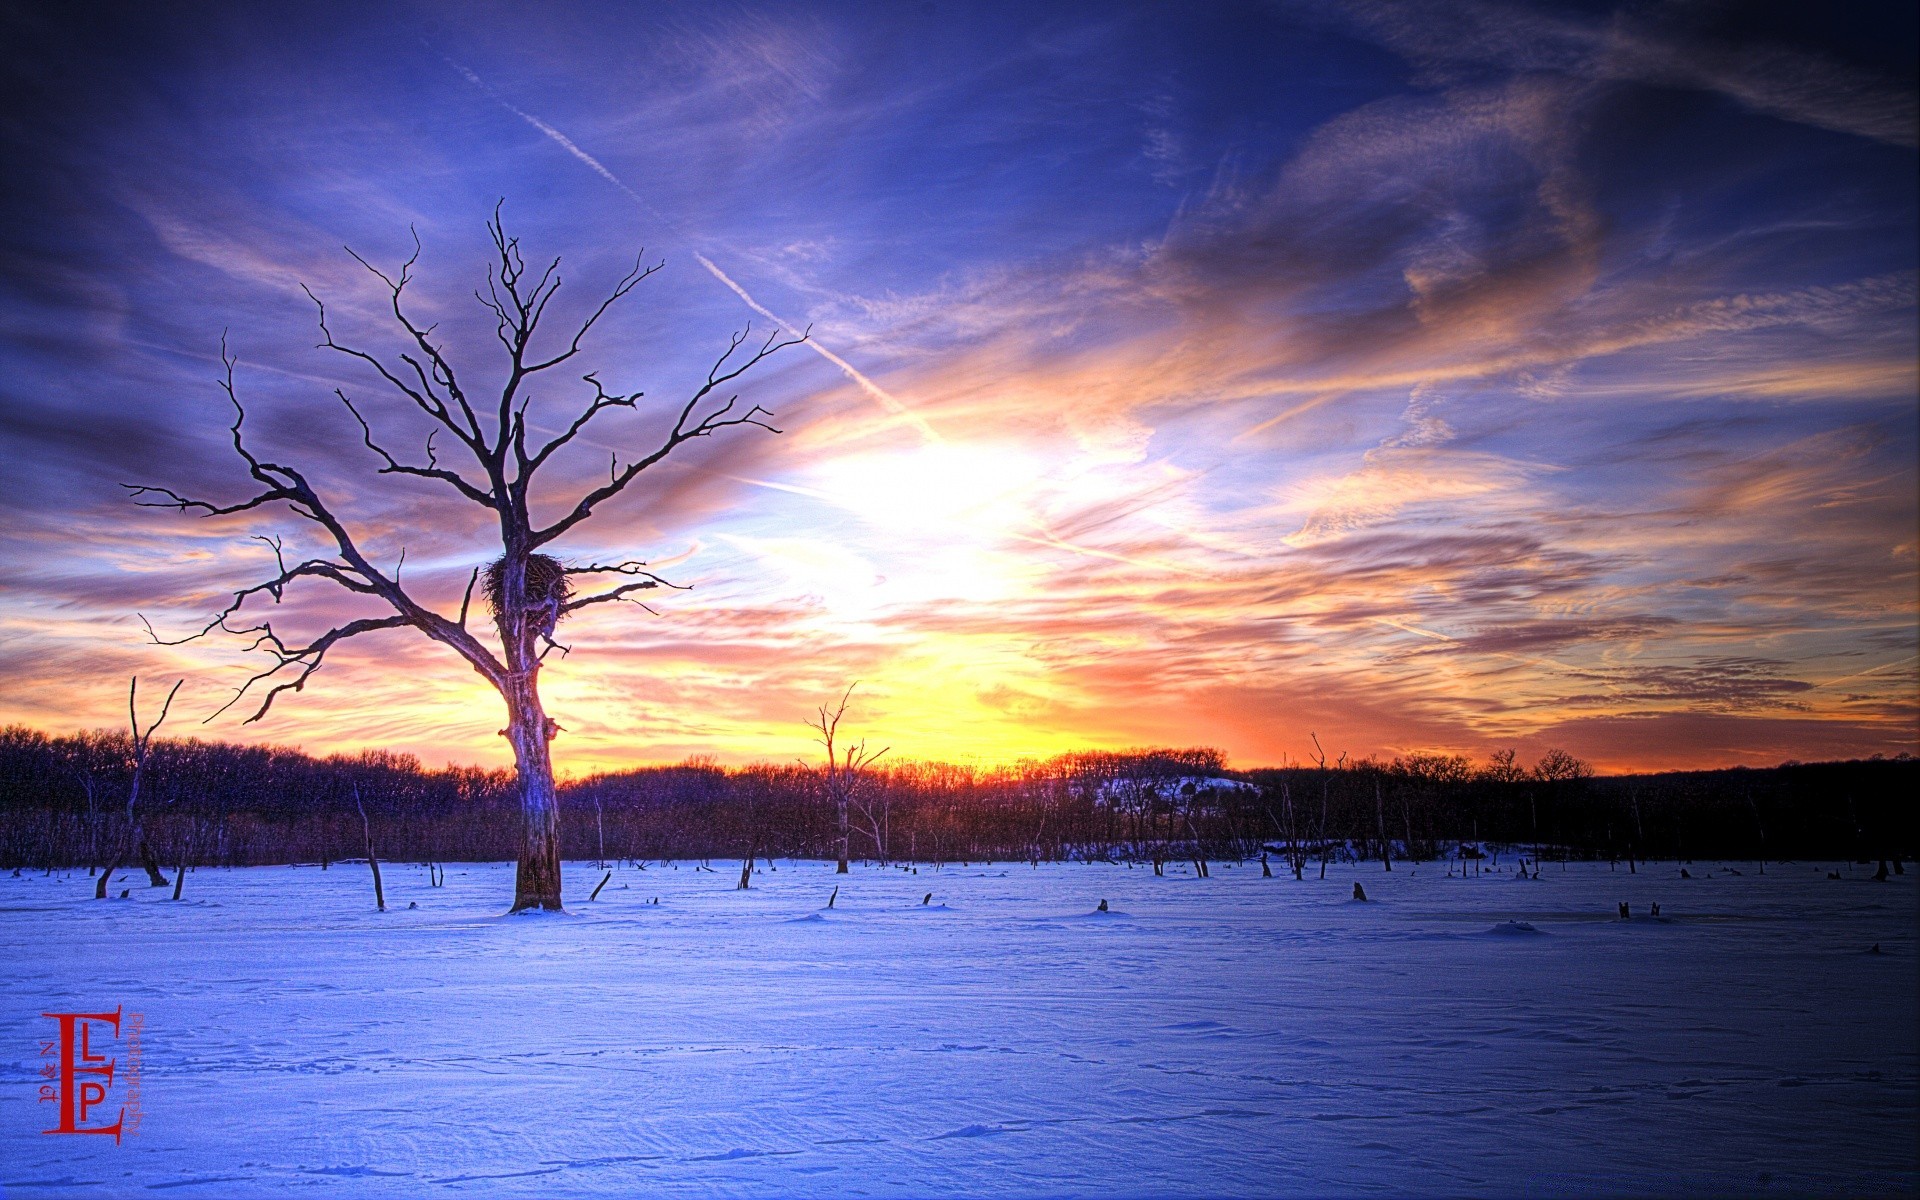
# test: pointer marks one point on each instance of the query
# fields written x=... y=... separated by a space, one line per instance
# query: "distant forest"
x=64 y=804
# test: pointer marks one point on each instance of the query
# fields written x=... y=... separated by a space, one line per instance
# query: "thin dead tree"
x=528 y=590
x=600 y=829
x=1296 y=850
x=1380 y=822
x=753 y=848
x=880 y=823
x=136 y=841
x=1320 y=757
x=187 y=843
x=844 y=773
x=373 y=857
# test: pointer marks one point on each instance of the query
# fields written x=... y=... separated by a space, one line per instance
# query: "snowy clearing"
x=1227 y=1036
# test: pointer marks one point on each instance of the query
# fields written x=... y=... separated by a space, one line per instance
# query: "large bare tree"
x=528 y=590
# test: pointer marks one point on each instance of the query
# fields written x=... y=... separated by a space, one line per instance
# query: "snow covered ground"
x=1229 y=1036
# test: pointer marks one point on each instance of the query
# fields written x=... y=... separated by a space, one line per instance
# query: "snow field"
x=1229 y=1036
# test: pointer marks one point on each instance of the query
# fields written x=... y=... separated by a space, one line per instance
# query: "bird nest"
x=547 y=589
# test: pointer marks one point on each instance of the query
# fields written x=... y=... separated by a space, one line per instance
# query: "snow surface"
x=1229 y=1036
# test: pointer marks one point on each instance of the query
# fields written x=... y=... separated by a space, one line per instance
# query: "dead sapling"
x=373 y=860
x=180 y=879
x=142 y=748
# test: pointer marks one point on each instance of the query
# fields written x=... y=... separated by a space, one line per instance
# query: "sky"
x=1414 y=377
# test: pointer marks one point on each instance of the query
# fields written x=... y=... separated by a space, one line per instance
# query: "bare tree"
x=879 y=823
x=1296 y=850
x=528 y=590
x=599 y=830
x=844 y=774
x=142 y=747
x=1320 y=757
x=373 y=857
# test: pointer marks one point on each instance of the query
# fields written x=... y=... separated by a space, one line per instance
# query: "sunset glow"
x=1179 y=375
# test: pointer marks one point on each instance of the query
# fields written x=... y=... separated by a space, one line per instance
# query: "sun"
x=969 y=488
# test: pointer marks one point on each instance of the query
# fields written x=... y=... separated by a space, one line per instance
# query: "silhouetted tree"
x=528 y=590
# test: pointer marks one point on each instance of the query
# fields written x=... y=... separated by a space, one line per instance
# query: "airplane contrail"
x=1886 y=666
x=868 y=386
x=873 y=390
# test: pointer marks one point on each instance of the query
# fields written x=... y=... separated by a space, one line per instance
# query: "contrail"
x=868 y=386
x=1049 y=538
x=566 y=143
x=1898 y=662
x=872 y=389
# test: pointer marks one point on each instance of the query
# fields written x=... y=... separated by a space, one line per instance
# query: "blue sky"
x=1429 y=377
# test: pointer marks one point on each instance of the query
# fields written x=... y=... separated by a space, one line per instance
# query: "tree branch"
x=685 y=428
x=648 y=580
x=423 y=396
x=140 y=739
x=602 y=401
x=354 y=571
x=432 y=471
x=307 y=658
x=466 y=599
x=442 y=369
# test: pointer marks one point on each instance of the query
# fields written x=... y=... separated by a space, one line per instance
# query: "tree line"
x=64 y=803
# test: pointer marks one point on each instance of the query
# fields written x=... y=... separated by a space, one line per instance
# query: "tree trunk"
x=842 y=869
x=536 y=883
x=373 y=859
x=100 y=887
x=155 y=877
x=379 y=892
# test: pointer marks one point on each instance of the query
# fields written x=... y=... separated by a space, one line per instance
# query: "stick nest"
x=548 y=589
